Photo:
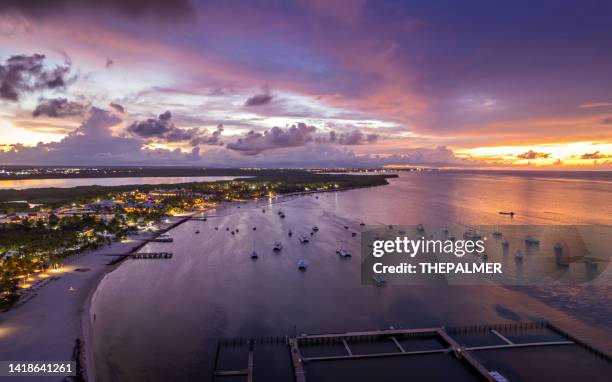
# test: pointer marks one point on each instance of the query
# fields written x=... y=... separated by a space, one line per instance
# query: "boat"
x=254 y=255
x=254 y=228
x=511 y=213
x=302 y=265
x=304 y=239
x=346 y=227
x=263 y=210
x=315 y=228
x=233 y=233
x=277 y=246
x=290 y=233
x=518 y=254
x=282 y=216
x=378 y=280
x=237 y=230
x=354 y=234
x=532 y=240
x=362 y=224
x=343 y=252
x=198 y=231
x=227 y=229
x=216 y=228
x=471 y=234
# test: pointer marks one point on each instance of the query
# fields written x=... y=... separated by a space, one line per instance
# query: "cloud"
x=595 y=104
x=163 y=129
x=160 y=9
x=212 y=140
x=259 y=99
x=254 y=143
x=58 y=108
x=354 y=137
x=533 y=155
x=117 y=107
x=595 y=155
x=22 y=74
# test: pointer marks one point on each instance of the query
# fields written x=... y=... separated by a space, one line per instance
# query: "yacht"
x=315 y=228
x=277 y=246
x=532 y=240
x=304 y=239
x=302 y=265
x=253 y=255
x=343 y=252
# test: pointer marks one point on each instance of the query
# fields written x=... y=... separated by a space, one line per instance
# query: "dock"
x=307 y=349
x=152 y=255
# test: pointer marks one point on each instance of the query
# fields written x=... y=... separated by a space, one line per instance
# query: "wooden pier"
x=152 y=255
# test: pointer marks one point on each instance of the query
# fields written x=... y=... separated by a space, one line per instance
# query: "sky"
x=297 y=83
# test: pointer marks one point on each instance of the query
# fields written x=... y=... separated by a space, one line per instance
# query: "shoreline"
x=86 y=356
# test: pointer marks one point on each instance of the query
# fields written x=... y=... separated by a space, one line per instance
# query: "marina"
x=464 y=345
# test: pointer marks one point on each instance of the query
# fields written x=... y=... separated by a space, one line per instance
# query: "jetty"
x=152 y=255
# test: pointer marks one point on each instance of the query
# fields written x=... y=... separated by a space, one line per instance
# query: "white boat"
x=315 y=228
x=532 y=240
x=343 y=252
x=304 y=239
x=254 y=255
x=302 y=265
x=277 y=246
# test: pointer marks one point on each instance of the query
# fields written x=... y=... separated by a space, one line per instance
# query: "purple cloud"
x=58 y=108
x=23 y=74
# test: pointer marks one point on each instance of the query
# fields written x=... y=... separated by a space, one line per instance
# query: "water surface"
x=157 y=320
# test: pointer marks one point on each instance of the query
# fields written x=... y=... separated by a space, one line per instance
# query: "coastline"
x=86 y=356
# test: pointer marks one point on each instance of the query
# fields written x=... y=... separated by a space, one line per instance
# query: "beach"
x=56 y=314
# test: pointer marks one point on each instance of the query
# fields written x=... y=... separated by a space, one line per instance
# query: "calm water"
x=157 y=320
x=22 y=184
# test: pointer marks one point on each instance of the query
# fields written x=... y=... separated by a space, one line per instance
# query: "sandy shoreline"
x=86 y=328
x=54 y=314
